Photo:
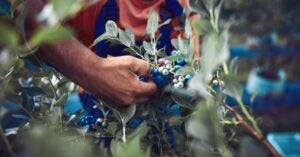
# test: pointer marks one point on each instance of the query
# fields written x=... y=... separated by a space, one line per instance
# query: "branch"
x=253 y=132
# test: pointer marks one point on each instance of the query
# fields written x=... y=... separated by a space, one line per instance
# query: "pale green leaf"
x=124 y=38
x=9 y=35
x=232 y=87
x=187 y=29
x=102 y=37
x=152 y=24
x=149 y=48
x=60 y=101
x=165 y=23
x=130 y=35
x=202 y=26
x=48 y=35
x=66 y=8
x=185 y=70
x=111 y=29
x=173 y=58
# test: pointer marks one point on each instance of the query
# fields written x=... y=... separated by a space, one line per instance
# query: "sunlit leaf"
x=149 y=48
x=49 y=35
x=152 y=24
x=185 y=70
x=111 y=29
x=173 y=58
x=133 y=146
x=9 y=35
x=165 y=23
x=124 y=38
x=102 y=37
x=66 y=8
x=187 y=29
x=130 y=35
x=60 y=101
x=202 y=26
x=232 y=87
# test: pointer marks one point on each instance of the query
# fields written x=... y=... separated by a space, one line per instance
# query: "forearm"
x=71 y=58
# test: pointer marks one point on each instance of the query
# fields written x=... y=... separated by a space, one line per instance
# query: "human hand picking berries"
x=165 y=73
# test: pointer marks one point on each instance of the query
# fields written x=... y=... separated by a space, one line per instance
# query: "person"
x=133 y=15
x=114 y=80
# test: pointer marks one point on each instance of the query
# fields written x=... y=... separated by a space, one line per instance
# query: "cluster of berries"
x=165 y=73
x=86 y=121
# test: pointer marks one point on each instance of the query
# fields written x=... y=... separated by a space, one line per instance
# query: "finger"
x=146 y=88
x=141 y=67
x=140 y=100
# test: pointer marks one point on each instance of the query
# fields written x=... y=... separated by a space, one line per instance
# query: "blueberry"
x=175 y=80
x=87 y=121
x=180 y=84
x=165 y=72
x=180 y=62
x=174 y=53
x=176 y=67
x=160 y=80
x=167 y=62
x=143 y=78
x=160 y=69
x=188 y=77
x=180 y=78
x=161 y=61
x=166 y=77
x=154 y=72
x=169 y=66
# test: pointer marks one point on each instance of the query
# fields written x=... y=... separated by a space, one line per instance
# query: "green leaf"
x=187 y=29
x=9 y=36
x=232 y=87
x=173 y=58
x=130 y=35
x=102 y=37
x=210 y=4
x=149 y=48
x=66 y=8
x=152 y=24
x=111 y=29
x=60 y=101
x=217 y=10
x=215 y=51
x=185 y=70
x=162 y=53
x=124 y=38
x=133 y=146
x=112 y=128
x=49 y=35
x=165 y=23
x=202 y=26
x=124 y=114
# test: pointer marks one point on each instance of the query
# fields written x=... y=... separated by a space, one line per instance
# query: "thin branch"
x=253 y=132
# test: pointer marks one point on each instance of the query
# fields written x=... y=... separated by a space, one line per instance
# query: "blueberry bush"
x=188 y=117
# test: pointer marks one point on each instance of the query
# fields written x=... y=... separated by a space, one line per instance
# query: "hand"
x=116 y=81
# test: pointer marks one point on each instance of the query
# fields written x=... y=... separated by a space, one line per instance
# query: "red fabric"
x=84 y=22
x=134 y=14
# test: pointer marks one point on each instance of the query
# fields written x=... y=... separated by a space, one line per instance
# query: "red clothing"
x=133 y=14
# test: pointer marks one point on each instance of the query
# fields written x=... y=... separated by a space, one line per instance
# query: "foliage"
x=188 y=118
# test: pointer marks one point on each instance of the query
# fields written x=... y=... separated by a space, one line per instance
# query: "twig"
x=253 y=132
